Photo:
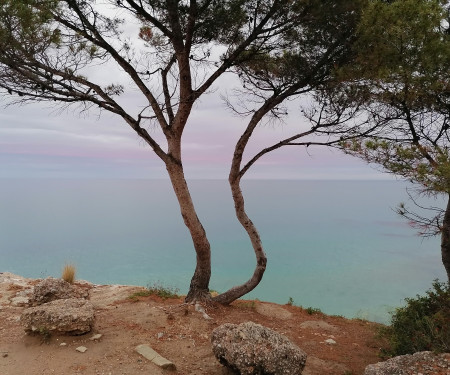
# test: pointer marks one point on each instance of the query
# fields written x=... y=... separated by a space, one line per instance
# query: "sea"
x=337 y=246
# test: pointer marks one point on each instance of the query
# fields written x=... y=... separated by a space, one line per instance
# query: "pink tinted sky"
x=37 y=141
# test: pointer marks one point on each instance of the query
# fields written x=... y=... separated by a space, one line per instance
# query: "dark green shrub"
x=423 y=324
x=313 y=310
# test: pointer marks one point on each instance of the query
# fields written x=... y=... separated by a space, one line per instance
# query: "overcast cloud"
x=39 y=141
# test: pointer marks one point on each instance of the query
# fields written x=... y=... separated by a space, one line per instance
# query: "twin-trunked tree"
x=50 y=50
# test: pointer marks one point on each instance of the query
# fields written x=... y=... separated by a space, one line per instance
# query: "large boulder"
x=51 y=289
x=251 y=349
x=425 y=363
x=73 y=316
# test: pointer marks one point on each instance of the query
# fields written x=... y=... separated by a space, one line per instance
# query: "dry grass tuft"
x=68 y=273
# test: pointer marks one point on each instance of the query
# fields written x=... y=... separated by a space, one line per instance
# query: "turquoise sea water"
x=333 y=245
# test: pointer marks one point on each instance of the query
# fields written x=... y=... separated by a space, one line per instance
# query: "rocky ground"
x=180 y=333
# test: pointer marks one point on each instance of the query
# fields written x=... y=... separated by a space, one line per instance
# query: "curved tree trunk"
x=261 y=260
x=199 y=287
x=445 y=240
x=239 y=205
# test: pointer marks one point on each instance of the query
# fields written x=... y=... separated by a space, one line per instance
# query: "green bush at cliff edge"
x=423 y=324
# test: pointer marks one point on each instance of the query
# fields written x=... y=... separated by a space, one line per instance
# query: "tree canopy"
x=400 y=83
x=402 y=78
x=172 y=52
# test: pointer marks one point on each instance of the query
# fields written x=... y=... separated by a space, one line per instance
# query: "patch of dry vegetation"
x=68 y=273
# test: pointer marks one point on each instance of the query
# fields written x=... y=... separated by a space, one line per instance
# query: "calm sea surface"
x=334 y=245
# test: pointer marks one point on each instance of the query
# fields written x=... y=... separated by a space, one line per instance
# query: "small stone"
x=330 y=342
x=206 y=316
x=63 y=344
x=147 y=352
x=201 y=310
x=160 y=335
x=97 y=336
x=20 y=301
x=81 y=349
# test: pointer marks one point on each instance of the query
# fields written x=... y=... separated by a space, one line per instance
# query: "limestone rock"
x=202 y=311
x=19 y=301
x=318 y=325
x=273 y=311
x=51 y=289
x=10 y=278
x=74 y=316
x=426 y=363
x=147 y=352
x=251 y=349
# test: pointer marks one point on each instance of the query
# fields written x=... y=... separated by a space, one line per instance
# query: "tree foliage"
x=51 y=51
x=400 y=85
x=421 y=325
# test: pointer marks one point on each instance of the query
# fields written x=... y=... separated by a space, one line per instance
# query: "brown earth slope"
x=175 y=330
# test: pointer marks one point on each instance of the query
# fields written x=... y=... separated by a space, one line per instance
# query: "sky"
x=38 y=141
x=41 y=141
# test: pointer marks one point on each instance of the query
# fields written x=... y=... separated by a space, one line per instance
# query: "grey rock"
x=251 y=349
x=10 y=278
x=412 y=364
x=51 y=289
x=147 y=352
x=20 y=301
x=81 y=349
x=74 y=316
x=273 y=311
x=201 y=310
x=22 y=297
x=330 y=342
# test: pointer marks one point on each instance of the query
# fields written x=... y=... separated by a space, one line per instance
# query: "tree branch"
x=125 y=65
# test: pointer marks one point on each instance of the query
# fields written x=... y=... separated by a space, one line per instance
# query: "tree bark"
x=199 y=287
x=261 y=259
x=239 y=205
x=445 y=240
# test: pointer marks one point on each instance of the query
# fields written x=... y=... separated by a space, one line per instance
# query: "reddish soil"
x=177 y=332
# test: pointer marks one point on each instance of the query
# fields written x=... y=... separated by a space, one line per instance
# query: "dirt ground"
x=176 y=331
